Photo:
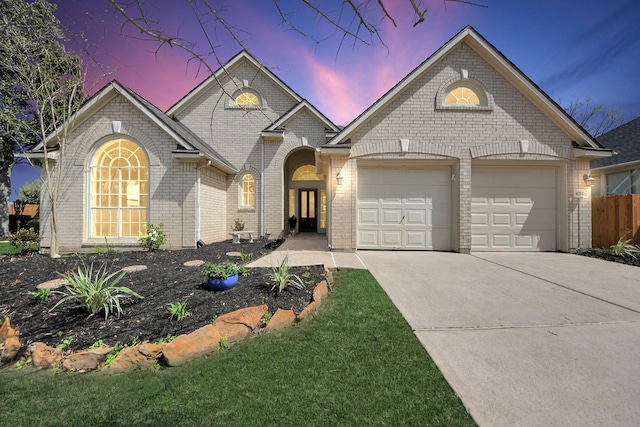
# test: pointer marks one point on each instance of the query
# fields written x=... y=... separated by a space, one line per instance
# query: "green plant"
x=154 y=237
x=178 y=310
x=22 y=363
x=95 y=293
x=625 y=248
x=282 y=277
x=135 y=340
x=96 y=344
x=243 y=271
x=30 y=192
x=65 y=343
x=238 y=225
x=155 y=367
x=25 y=240
x=112 y=356
x=265 y=318
x=245 y=256
x=224 y=344
x=220 y=271
x=40 y=294
x=34 y=224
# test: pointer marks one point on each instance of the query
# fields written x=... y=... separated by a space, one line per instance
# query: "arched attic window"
x=247 y=98
x=465 y=94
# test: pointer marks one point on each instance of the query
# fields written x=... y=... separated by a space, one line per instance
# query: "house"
x=619 y=174
x=465 y=153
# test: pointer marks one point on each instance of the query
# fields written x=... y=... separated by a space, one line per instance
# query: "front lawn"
x=356 y=363
x=7 y=248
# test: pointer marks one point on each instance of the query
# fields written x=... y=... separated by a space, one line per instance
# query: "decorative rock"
x=152 y=350
x=4 y=329
x=309 y=310
x=131 y=358
x=85 y=360
x=45 y=357
x=10 y=353
x=281 y=319
x=186 y=347
x=134 y=268
x=194 y=263
x=233 y=253
x=237 y=325
x=52 y=284
x=320 y=292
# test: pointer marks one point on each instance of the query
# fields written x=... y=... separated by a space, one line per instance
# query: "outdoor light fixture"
x=339 y=178
x=589 y=179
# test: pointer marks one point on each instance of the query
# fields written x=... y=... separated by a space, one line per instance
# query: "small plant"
x=265 y=318
x=238 y=225
x=65 y=343
x=135 y=340
x=166 y=339
x=243 y=271
x=221 y=271
x=154 y=237
x=155 y=367
x=245 y=256
x=95 y=293
x=22 y=363
x=25 y=240
x=283 y=278
x=625 y=248
x=40 y=294
x=96 y=344
x=112 y=356
x=224 y=344
x=178 y=310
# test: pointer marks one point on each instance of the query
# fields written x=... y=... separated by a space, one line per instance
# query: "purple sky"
x=572 y=49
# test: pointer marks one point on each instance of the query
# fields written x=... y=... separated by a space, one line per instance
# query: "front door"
x=308 y=211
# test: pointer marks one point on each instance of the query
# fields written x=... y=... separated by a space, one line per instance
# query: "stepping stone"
x=194 y=263
x=134 y=268
x=52 y=284
x=233 y=253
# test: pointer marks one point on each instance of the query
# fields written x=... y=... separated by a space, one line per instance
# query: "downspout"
x=262 y=190
x=198 y=198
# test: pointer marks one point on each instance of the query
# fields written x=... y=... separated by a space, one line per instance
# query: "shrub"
x=30 y=192
x=282 y=277
x=95 y=293
x=154 y=238
x=625 y=248
x=238 y=225
x=34 y=223
x=25 y=240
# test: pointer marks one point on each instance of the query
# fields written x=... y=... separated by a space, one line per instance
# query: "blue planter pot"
x=222 y=284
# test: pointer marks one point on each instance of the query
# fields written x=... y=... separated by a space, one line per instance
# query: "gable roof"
x=186 y=141
x=625 y=140
x=500 y=63
x=225 y=70
x=275 y=129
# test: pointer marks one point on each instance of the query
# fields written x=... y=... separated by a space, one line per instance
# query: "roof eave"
x=195 y=155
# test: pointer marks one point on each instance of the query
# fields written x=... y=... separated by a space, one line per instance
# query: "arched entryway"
x=306 y=193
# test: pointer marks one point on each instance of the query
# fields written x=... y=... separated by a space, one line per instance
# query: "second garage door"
x=514 y=209
x=407 y=208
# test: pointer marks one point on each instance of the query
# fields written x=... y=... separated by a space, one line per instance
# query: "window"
x=119 y=190
x=248 y=190
x=626 y=182
x=247 y=98
x=307 y=173
x=462 y=95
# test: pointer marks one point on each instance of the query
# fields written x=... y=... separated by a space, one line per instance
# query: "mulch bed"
x=608 y=256
x=166 y=280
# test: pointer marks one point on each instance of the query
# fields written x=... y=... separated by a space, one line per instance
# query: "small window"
x=247 y=98
x=462 y=95
x=307 y=173
x=248 y=190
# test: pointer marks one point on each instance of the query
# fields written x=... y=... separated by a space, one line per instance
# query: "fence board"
x=614 y=217
x=31 y=210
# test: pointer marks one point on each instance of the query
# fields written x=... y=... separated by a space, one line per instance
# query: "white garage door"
x=404 y=208
x=514 y=209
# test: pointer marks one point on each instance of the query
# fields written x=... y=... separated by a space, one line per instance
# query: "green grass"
x=356 y=363
x=7 y=248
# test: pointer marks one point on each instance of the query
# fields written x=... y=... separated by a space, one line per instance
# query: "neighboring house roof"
x=224 y=71
x=187 y=142
x=625 y=140
x=276 y=128
x=494 y=57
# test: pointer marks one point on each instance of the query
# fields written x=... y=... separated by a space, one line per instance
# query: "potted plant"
x=221 y=276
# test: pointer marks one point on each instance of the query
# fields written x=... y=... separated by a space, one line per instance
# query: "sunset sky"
x=572 y=49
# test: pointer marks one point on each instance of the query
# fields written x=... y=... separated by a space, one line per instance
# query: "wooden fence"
x=30 y=210
x=614 y=217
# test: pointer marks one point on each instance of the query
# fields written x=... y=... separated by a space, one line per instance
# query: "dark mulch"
x=607 y=255
x=165 y=281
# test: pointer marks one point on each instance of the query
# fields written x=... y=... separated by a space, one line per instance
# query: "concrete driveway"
x=525 y=339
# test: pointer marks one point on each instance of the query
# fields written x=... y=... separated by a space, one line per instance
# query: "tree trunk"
x=5 y=193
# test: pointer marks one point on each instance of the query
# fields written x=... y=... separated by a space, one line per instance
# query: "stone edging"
x=227 y=329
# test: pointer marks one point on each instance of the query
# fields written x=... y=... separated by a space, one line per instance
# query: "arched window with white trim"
x=247 y=189
x=118 y=190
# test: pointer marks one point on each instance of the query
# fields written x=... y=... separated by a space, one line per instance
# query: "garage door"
x=404 y=208
x=514 y=210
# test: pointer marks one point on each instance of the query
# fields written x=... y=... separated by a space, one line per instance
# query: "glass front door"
x=307 y=211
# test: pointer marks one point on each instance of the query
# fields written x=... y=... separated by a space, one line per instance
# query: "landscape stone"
x=152 y=350
x=52 y=284
x=131 y=358
x=187 y=347
x=194 y=263
x=320 y=292
x=309 y=310
x=281 y=319
x=237 y=325
x=4 y=329
x=45 y=357
x=134 y=268
x=83 y=361
x=10 y=353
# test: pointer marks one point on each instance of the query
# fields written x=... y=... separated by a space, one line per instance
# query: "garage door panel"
x=410 y=203
x=514 y=209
